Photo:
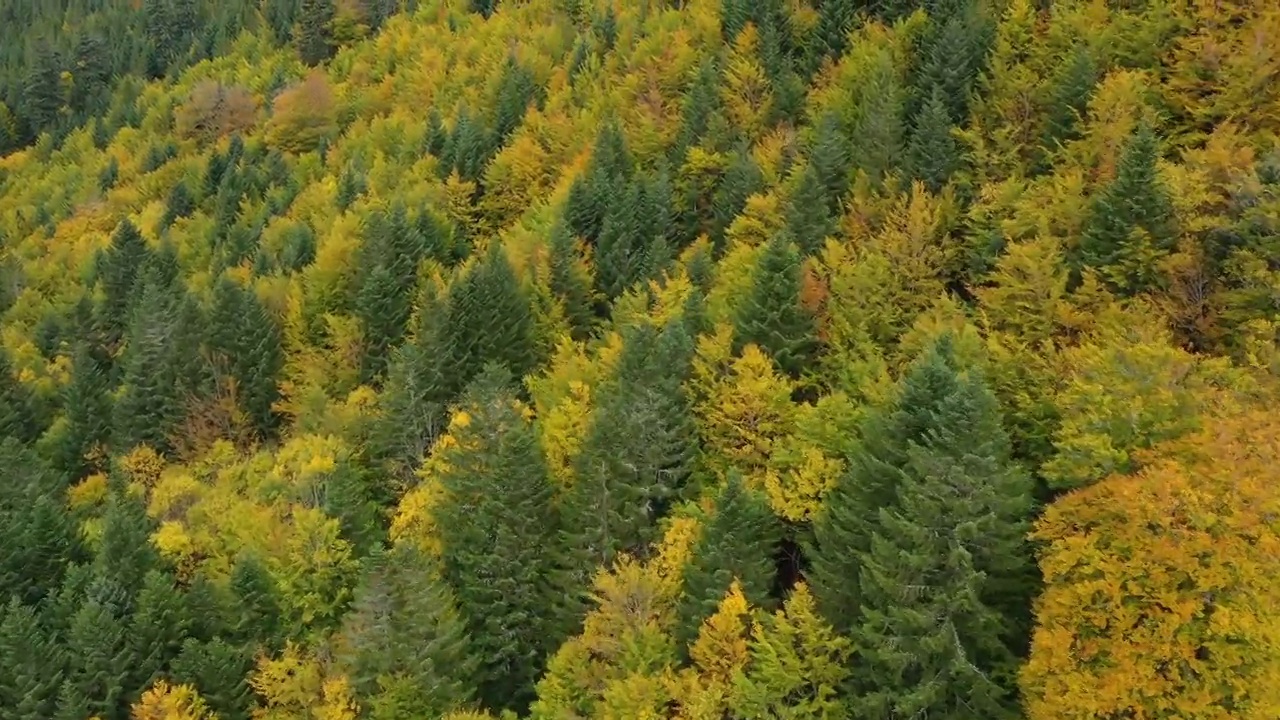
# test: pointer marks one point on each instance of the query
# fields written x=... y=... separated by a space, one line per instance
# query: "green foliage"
x=771 y=316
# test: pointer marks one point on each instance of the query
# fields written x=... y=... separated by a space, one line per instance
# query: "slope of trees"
x=548 y=359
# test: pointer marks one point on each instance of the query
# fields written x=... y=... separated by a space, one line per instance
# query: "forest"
x=639 y=359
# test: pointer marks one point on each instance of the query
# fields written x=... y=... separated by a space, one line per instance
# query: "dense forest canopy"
x=680 y=359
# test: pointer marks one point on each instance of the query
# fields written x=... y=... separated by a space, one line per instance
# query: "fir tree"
x=117 y=271
x=99 y=663
x=809 y=218
x=314 y=36
x=624 y=238
x=771 y=316
x=1130 y=227
x=738 y=544
x=404 y=644
x=151 y=404
x=948 y=573
x=499 y=540
x=830 y=159
x=31 y=664
x=90 y=74
x=1069 y=92
x=741 y=179
x=954 y=56
x=244 y=341
x=125 y=553
x=16 y=417
x=638 y=452
x=157 y=628
x=932 y=154
x=42 y=89
x=831 y=37
x=256 y=609
x=516 y=90
x=570 y=282
x=489 y=319
x=179 y=204
x=218 y=671
x=39 y=536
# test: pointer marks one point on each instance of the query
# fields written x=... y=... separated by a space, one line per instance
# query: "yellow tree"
x=1161 y=598
x=171 y=702
x=298 y=686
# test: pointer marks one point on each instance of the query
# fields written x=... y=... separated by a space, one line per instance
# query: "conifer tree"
x=954 y=53
x=930 y=524
x=500 y=544
x=42 y=89
x=809 y=219
x=90 y=74
x=157 y=627
x=245 y=342
x=638 y=452
x=88 y=412
x=595 y=192
x=771 y=316
x=314 y=35
x=1130 y=225
x=125 y=553
x=117 y=271
x=16 y=418
x=218 y=670
x=830 y=159
x=932 y=154
x=835 y=20
x=738 y=544
x=741 y=179
x=489 y=319
x=31 y=664
x=516 y=90
x=1069 y=93
x=99 y=663
x=570 y=281
x=256 y=610
x=151 y=404
x=621 y=252
x=403 y=644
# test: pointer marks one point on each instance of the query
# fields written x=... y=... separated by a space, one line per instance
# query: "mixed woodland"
x=639 y=360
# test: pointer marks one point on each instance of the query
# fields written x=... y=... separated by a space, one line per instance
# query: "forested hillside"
x=644 y=359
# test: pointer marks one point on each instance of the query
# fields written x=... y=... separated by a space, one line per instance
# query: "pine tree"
x=771 y=316
x=389 y=260
x=954 y=57
x=179 y=204
x=90 y=74
x=31 y=664
x=403 y=644
x=218 y=670
x=830 y=159
x=516 y=90
x=1130 y=224
x=500 y=548
x=835 y=21
x=88 y=412
x=638 y=452
x=594 y=193
x=932 y=154
x=624 y=238
x=738 y=544
x=314 y=35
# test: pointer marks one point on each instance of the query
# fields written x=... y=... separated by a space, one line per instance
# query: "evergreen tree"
x=920 y=554
x=595 y=192
x=947 y=577
x=16 y=417
x=218 y=671
x=31 y=664
x=831 y=37
x=245 y=342
x=516 y=90
x=403 y=644
x=390 y=259
x=700 y=103
x=90 y=74
x=738 y=543
x=488 y=319
x=255 y=617
x=151 y=404
x=624 y=238
x=771 y=316
x=314 y=36
x=570 y=282
x=40 y=538
x=954 y=57
x=1069 y=92
x=809 y=218
x=99 y=663
x=830 y=159
x=125 y=553
x=500 y=549
x=1130 y=224
x=180 y=204
x=157 y=628
x=117 y=272
x=42 y=89
x=638 y=453
x=741 y=179
x=932 y=154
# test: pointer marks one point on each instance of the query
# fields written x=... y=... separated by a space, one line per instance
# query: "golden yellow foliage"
x=171 y=702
